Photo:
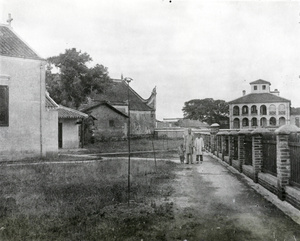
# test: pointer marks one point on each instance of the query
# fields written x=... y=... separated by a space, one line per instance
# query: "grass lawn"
x=85 y=201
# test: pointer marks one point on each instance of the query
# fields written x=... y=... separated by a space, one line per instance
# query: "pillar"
x=283 y=158
x=241 y=151
x=257 y=157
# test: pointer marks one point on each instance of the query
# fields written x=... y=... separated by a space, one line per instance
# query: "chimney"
x=244 y=92
x=275 y=92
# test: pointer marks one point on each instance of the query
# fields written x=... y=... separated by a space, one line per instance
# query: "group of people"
x=190 y=146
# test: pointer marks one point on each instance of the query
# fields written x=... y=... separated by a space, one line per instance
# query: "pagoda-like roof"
x=117 y=94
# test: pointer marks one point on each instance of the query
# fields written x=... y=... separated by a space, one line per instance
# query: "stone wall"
x=278 y=183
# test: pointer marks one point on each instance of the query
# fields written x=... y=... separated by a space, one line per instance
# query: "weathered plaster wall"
x=142 y=122
x=24 y=137
x=70 y=133
x=51 y=132
x=103 y=129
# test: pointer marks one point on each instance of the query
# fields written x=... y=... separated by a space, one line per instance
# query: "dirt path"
x=212 y=203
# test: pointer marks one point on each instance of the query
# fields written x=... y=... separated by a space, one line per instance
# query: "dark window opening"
x=111 y=123
x=3 y=105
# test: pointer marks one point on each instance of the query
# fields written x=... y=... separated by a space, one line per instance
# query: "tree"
x=75 y=81
x=206 y=110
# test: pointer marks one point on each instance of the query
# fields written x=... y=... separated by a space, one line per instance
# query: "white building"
x=262 y=107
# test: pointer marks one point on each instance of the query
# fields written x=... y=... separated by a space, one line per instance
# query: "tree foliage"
x=207 y=110
x=75 y=81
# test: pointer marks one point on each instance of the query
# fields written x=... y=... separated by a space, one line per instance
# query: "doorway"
x=60 y=135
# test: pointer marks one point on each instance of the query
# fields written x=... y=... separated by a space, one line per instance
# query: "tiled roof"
x=95 y=105
x=260 y=81
x=117 y=94
x=11 y=45
x=65 y=112
x=50 y=103
x=258 y=98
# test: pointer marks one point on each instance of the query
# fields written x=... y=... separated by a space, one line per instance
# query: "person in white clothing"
x=199 y=148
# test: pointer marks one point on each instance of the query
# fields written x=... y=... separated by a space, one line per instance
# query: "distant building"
x=142 y=111
x=187 y=123
x=69 y=121
x=181 y=122
x=262 y=107
x=108 y=122
x=295 y=116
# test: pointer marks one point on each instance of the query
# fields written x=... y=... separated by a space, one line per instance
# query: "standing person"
x=181 y=153
x=199 y=148
x=189 y=146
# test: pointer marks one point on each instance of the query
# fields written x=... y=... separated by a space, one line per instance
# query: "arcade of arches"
x=245 y=117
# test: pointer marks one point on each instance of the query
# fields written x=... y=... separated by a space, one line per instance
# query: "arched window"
x=254 y=122
x=263 y=122
x=263 y=110
x=236 y=110
x=236 y=123
x=245 y=122
x=245 y=110
x=281 y=109
x=272 y=121
x=281 y=121
x=272 y=110
x=253 y=110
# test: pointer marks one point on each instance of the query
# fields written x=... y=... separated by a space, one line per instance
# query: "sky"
x=188 y=49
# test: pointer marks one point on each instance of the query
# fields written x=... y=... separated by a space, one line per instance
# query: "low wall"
x=248 y=171
x=169 y=133
x=268 y=181
x=292 y=195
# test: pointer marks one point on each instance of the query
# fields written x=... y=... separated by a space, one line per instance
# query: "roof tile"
x=258 y=98
x=11 y=45
x=65 y=112
x=118 y=95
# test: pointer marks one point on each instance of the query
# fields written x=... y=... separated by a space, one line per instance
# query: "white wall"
x=70 y=133
x=26 y=81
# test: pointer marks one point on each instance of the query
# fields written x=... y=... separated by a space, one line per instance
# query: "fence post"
x=214 y=129
x=232 y=135
x=219 y=143
x=241 y=148
x=222 y=139
x=229 y=148
x=257 y=153
x=283 y=158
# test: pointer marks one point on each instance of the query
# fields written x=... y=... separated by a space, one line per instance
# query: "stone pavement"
x=228 y=201
x=227 y=180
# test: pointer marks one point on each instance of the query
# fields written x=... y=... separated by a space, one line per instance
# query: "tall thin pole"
x=154 y=153
x=128 y=147
x=128 y=80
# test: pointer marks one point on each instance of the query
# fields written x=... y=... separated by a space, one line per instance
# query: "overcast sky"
x=189 y=49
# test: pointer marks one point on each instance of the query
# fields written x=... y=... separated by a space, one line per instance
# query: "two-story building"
x=262 y=107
